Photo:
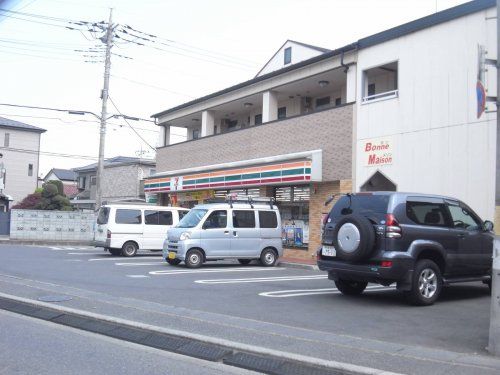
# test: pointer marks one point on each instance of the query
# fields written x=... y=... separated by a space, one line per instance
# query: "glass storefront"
x=293 y=203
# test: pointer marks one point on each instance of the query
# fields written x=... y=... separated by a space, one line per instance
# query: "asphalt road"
x=287 y=297
x=31 y=346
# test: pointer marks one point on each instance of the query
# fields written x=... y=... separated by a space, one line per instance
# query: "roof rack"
x=232 y=198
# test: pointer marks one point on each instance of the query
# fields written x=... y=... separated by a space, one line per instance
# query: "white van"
x=244 y=228
x=126 y=228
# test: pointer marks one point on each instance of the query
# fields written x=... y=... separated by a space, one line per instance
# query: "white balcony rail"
x=380 y=96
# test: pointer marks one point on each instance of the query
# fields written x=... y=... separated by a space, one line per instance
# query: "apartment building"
x=19 y=161
x=394 y=111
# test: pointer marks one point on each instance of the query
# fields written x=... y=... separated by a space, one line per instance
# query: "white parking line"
x=70 y=248
x=310 y=292
x=139 y=264
x=82 y=253
x=261 y=279
x=107 y=257
x=218 y=270
x=138 y=276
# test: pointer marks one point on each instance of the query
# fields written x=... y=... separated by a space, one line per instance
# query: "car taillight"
x=108 y=234
x=386 y=263
x=392 y=228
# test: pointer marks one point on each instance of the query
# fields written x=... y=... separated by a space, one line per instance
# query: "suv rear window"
x=103 y=216
x=361 y=204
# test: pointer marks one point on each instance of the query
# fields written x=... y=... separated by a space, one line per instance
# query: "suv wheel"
x=350 y=288
x=427 y=283
x=129 y=249
x=268 y=257
x=194 y=259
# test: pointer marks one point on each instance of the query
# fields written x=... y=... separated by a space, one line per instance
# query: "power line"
x=152 y=86
x=47 y=153
x=130 y=126
x=39 y=56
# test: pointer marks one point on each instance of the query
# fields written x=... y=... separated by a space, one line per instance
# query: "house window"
x=281 y=113
x=258 y=119
x=338 y=101
x=231 y=124
x=322 y=102
x=288 y=55
x=380 y=82
x=6 y=140
x=81 y=182
x=196 y=133
x=30 y=170
x=93 y=180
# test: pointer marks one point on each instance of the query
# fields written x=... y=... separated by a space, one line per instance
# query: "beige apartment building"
x=19 y=161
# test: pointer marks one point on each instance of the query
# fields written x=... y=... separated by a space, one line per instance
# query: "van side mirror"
x=488 y=226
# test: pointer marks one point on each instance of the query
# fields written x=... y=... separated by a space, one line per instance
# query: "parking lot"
x=280 y=295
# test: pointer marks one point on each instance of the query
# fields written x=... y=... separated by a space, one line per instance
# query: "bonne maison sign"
x=377 y=151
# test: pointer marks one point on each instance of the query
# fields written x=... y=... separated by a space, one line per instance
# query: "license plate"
x=171 y=255
x=328 y=251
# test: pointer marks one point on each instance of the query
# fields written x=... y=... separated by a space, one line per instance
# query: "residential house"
x=67 y=177
x=396 y=110
x=19 y=161
x=122 y=180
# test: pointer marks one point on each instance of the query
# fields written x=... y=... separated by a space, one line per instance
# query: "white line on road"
x=310 y=292
x=261 y=279
x=83 y=253
x=218 y=270
x=138 y=276
x=108 y=257
x=72 y=260
x=139 y=264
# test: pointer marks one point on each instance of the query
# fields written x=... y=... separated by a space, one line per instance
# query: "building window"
x=231 y=124
x=293 y=203
x=323 y=102
x=30 y=170
x=380 y=82
x=81 y=182
x=196 y=133
x=281 y=113
x=258 y=119
x=288 y=55
x=338 y=101
x=93 y=180
x=6 y=140
x=152 y=171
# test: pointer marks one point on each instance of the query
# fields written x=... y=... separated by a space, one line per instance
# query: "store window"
x=293 y=203
x=252 y=192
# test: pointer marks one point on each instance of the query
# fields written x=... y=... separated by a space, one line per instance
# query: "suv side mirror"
x=488 y=226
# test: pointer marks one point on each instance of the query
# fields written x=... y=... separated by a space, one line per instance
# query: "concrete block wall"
x=43 y=225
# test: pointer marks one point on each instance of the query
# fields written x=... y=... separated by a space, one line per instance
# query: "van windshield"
x=103 y=216
x=192 y=218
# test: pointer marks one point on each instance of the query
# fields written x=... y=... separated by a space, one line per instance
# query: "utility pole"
x=104 y=114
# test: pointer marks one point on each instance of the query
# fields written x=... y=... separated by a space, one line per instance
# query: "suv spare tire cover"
x=353 y=237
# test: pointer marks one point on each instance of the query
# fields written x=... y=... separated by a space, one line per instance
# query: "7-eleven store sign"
x=272 y=174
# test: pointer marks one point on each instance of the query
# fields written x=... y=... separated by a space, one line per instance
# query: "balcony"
x=328 y=129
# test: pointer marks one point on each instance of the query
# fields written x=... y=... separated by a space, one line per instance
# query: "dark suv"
x=421 y=242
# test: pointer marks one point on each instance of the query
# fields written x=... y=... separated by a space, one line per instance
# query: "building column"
x=207 y=123
x=164 y=136
x=350 y=95
x=269 y=106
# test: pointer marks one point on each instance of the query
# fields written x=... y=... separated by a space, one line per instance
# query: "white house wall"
x=299 y=53
x=439 y=145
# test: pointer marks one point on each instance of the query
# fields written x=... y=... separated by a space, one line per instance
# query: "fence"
x=51 y=225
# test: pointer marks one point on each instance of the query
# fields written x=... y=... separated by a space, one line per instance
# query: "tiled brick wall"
x=51 y=225
x=329 y=130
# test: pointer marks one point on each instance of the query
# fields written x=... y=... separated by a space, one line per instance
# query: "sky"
x=197 y=47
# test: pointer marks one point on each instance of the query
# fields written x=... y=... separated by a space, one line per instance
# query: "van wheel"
x=268 y=257
x=129 y=249
x=350 y=288
x=244 y=261
x=173 y=262
x=115 y=252
x=194 y=259
x=426 y=284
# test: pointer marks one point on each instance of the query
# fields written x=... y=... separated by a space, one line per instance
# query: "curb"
x=45 y=243
x=303 y=266
x=191 y=344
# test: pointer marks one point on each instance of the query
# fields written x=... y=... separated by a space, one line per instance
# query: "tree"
x=51 y=197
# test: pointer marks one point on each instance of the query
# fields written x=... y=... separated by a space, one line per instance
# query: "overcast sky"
x=202 y=46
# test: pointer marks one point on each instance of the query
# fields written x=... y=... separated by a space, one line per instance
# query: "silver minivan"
x=239 y=229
